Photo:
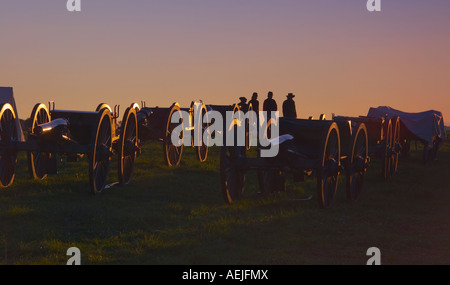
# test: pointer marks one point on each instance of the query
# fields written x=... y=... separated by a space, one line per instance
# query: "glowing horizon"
x=335 y=57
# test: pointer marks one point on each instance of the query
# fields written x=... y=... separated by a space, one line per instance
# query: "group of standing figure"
x=270 y=104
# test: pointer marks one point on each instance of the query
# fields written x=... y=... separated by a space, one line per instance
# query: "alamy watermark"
x=373 y=252
x=75 y=254
x=374 y=5
x=75 y=5
x=375 y=256
x=235 y=129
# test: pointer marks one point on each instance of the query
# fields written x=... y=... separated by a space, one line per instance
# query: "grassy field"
x=177 y=216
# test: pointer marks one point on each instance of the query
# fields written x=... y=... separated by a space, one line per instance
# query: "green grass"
x=178 y=216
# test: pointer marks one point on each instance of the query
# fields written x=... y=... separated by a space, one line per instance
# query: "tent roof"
x=424 y=125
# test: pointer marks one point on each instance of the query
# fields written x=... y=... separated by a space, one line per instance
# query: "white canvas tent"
x=424 y=125
x=7 y=96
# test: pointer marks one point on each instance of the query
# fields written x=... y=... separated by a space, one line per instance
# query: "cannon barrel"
x=54 y=130
x=143 y=114
x=152 y=122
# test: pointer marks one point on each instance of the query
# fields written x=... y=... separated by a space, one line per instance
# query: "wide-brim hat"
x=290 y=95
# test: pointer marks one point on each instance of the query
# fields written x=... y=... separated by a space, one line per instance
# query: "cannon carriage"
x=157 y=124
x=246 y=117
x=383 y=136
x=74 y=134
x=306 y=148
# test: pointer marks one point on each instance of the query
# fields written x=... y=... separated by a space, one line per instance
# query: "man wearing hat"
x=243 y=104
x=289 y=107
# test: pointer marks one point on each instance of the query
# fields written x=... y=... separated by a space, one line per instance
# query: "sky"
x=335 y=56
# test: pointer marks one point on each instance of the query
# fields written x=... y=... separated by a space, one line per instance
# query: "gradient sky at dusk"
x=334 y=55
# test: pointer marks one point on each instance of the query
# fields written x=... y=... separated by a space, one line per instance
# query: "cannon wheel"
x=395 y=146
x=172 y=153
x=232 y=177
x=102 y=106
x=100 y=153
x=357 y=168
x=37 y=161
x=135 y=106
x=202 y=150
x=128 y=146
x=328 y=172
x=387 y=157
x=8 y=134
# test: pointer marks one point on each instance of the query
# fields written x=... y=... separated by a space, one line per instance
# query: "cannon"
x=383 y=140
x=73 y=134
x=155 y=124
x=306 y=148
x=249 y=120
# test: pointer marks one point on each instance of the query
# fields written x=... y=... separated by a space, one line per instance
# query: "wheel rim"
x=202 y=151
x=328 y=174
x=387 y=159
x=135 y=106
x=101 y=154
x=103 y=106
x=8 y=135
x=128 y=146
x=37 y=161
x=232 y=177
x=172 y=153
x=357 y=168
x=395 y=147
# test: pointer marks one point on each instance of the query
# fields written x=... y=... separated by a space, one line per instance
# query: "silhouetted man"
x=254 y=101
x=270 y=104
x=289 y=107
x=243 y=104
